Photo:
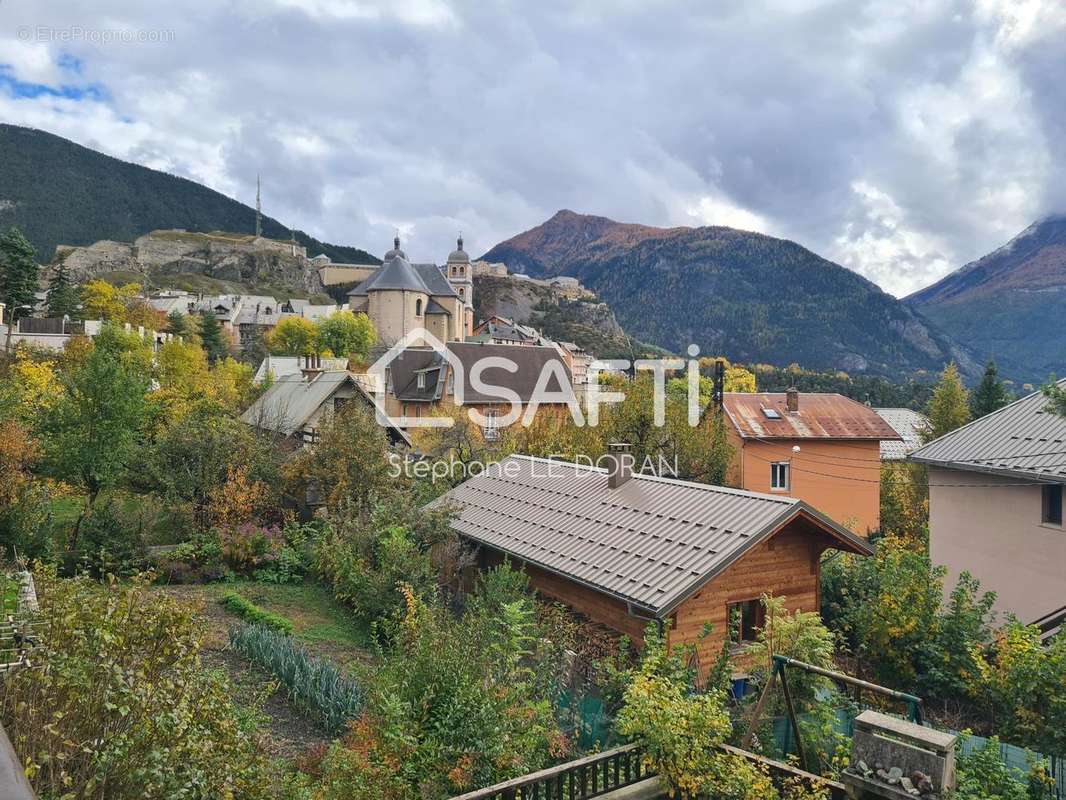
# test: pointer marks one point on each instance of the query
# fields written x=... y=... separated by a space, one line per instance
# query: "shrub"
x=982 y=775
x=452 y=706
x=247 y=547
x=680 y=730
x=250 y=612
x=366 y=557
x=314 y=684
x=119 y=706
x=108 y=545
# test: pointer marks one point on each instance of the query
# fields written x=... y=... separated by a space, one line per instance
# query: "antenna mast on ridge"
x=258 y=210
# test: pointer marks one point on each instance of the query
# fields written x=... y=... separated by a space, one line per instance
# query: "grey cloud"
x=494 y=118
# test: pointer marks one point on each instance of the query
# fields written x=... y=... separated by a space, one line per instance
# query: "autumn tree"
x=293 y=336
x=990 y=395
x=949 y=407
x=348 y=465
x=905 y=500
x=346 y=335
x=193 y=459
x=18 y=277
x=101 y=300
x=91 y=435
x=698 y=452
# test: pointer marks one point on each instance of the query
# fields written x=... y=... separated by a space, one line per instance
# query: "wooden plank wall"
x=596 y=606
x=786 y=565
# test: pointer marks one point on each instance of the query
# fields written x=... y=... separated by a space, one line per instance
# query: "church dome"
x=459 y=254
x=395 y=251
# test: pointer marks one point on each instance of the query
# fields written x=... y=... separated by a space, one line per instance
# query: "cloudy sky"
x=898 y=137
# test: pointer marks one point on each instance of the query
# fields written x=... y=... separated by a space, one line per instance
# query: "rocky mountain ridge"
x=221 y=256
x=750 y=297
x=1009 y=305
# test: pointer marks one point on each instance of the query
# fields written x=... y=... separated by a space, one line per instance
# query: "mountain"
x=58 y=192
x=750 y=297
x=558 y=314
x=1009 y=305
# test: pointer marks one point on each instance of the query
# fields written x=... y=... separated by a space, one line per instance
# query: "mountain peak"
x=1008 y=304
x=745 y=295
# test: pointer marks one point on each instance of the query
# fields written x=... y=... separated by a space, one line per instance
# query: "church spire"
x=459 y=241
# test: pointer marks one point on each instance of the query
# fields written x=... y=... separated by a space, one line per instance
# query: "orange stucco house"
x=823 y=449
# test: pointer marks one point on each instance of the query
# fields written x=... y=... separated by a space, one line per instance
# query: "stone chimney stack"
x=619 y=464
x=792 y=400
x=312 y=367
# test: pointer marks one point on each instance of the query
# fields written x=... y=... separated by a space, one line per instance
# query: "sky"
x=900 y=138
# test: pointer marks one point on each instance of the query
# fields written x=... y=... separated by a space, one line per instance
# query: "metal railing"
x=585 y=778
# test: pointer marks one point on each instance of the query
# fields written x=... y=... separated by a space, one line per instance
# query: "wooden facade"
x=785 y=565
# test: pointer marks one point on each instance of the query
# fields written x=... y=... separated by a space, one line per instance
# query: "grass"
x=318 y=619
x=315 y=685
x=316 y=615
x=250 y=612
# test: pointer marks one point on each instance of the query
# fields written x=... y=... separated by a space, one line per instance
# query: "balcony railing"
x=604 y=772
x=585 y=778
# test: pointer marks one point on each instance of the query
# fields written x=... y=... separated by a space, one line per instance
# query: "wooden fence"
x=604 y=772
x=585 y=778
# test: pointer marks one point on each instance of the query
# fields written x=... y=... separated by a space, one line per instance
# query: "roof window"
x=771 y=413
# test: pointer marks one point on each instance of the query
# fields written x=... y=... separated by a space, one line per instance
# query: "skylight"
x=771 y=413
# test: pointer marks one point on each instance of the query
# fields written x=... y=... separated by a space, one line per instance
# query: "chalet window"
x=745 y=619
x=1051 y=511
x=779 y=476
x=421 y=380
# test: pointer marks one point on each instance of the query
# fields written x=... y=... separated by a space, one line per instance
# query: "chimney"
x=312 y=366
x=619 y=464
x=792 y=400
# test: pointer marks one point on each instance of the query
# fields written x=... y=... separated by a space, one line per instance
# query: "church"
x=400 y=297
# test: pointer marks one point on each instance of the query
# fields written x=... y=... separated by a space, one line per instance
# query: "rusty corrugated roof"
x=651 y=542
x=820 y=416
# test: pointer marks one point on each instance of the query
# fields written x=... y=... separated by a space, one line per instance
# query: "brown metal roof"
x=651 y=542
x=820 y=416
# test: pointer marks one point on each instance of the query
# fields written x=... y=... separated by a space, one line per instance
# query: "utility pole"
x=258 y=209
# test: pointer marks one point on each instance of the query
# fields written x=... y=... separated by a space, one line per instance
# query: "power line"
x=878 y=481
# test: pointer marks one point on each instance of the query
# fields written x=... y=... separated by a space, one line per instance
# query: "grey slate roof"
x=290 y=402
x=281 y=366
x=398 y=273
x=651 y=542
x=908 y=424
x=529 y=359
x=1022 y=439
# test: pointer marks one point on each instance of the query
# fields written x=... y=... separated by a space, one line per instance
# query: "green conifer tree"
x=211 y=338
x=63 y=297
x=18 y=277
x=990 y=395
